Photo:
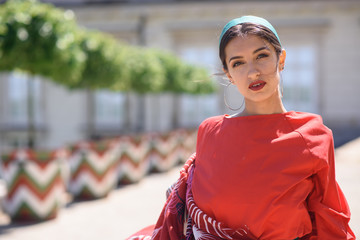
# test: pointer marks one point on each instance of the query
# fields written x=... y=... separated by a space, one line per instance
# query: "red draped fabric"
x=271 y=173
x=258 y=177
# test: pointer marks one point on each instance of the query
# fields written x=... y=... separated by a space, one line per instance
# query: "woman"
x=264 y=173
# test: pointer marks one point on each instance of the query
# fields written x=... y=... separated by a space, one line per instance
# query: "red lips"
x=257 y=85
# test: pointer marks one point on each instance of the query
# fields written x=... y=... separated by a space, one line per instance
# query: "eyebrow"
x=257 y=50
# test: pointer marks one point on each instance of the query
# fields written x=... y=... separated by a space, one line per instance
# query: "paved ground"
x=132 y=207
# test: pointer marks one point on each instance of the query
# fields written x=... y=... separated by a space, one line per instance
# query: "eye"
x=262 y=55
x=237 y=63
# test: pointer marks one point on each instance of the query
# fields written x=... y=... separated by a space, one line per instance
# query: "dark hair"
x=245 y=29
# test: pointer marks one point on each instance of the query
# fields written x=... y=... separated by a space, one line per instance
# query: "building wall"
x=341 y=57
x=66 y=116
x=331 y=29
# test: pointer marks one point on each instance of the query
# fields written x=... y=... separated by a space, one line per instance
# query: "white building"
x=321 y=71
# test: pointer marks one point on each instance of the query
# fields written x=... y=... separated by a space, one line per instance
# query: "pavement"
x=129 y=208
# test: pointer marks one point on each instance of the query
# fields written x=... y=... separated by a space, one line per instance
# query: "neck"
x=270 y=106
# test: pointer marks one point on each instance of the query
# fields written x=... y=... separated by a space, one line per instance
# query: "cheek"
x=238 y=74
x=268 y=67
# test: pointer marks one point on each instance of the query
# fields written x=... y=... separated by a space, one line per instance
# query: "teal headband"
x=249 y=19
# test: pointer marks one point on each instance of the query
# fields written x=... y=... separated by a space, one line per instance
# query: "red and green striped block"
x=35 y=184
x=93 y=168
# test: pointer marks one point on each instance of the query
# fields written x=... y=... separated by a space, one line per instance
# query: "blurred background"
x=48 y=106
x=321 y=73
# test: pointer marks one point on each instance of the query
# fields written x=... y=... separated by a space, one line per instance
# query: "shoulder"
x=211 y=122
x=317 y=136
x=210 y=125
x=308 y=123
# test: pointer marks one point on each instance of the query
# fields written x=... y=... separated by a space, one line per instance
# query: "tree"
x=183 y=78
x=198 y=80
x=41 y=40
x=104 y=67
x=105 y=60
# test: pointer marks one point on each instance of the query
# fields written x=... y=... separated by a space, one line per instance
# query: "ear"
x=228 y=75
x=282 y=58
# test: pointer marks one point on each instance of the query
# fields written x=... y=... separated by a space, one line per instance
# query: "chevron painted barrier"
x=188 y=143
x=133 y=161
x=93 y=167
x=141 y=154
x=35 y=184
x=167 y=151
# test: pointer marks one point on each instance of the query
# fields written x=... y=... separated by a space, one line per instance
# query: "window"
x=109 y=109
x=14 y=106
x=16 y=111
x=195 y=109
x=299 y=78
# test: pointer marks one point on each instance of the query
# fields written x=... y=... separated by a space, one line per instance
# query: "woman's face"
x=254 y=68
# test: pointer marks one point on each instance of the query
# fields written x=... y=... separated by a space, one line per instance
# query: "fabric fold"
x=171 y=223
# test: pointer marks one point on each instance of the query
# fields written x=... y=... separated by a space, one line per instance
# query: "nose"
x=253 y=72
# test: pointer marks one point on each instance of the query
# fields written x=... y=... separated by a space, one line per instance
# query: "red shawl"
x=171 y=223
x=274 y=173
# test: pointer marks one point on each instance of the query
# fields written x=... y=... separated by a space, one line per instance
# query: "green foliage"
x=105 y=57
x=40 y=39
x=181 y=77
x=43 y=40
x=174 y=70
x=198 y=80
x=145 y=71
